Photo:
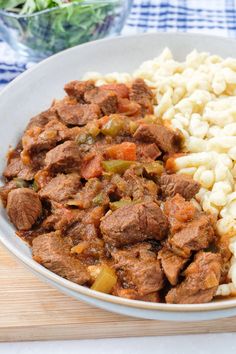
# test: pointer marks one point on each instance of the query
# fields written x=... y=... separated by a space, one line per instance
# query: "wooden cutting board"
x=32 y=310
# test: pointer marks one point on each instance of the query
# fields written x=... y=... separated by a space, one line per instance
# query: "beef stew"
x=88 y=189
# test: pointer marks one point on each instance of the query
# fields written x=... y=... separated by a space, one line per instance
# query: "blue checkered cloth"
x=216 y=17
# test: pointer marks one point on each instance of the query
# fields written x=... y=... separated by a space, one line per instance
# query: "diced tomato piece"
x=121 y=90
x=91 y=166
x=123 y=151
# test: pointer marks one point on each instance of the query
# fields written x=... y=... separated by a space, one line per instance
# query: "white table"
x=189 y=344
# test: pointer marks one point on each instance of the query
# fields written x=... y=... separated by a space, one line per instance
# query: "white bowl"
x=33 y=92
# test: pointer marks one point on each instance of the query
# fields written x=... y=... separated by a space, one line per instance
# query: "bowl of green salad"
x=37 y=29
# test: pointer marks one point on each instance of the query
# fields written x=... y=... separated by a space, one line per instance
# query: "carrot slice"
x=123 y=151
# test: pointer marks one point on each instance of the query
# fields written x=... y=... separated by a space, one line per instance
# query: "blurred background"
x=31 y=30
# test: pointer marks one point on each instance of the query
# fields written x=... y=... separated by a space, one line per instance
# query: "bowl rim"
x=63 y=6
x=50 y=276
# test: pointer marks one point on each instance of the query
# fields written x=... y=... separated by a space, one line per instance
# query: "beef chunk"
x=41 y=119
x=179 y=212
x=166 y=139
x=38 y=139
x=139 y=188
x=77 y=89
x=222 y=246
x=53 y=252
x=139 y=267
x=134 y=223
x=36 y=161
x=61 y=188
x=171 y=264
x=62 y=218
x=107 y=100
x=196 y=235
x=201 y=282
x=16 y=168
x=142 y=94
x=78 y=114
x=5 y=190
x=86 y=228
x=23 y=208
x=84 y=198
x=133 y=294
x=78 y=227
x=63 y=158
x=190 y=229
x=182 y=184
x=28 y=235
x=147 y=152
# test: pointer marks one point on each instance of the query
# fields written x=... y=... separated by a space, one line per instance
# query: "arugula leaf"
x=29 y=7
x=10 y=4
x=42 y=4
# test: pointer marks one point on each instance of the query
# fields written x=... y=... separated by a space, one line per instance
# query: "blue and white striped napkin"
x=216 y=17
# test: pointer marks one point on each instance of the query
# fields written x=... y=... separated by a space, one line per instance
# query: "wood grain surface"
x=32 y=310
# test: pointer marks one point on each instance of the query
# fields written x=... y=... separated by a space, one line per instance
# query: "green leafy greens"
x=71 y=22
x=28 y=7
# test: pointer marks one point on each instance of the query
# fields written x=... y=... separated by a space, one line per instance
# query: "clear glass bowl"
x=43 y=33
